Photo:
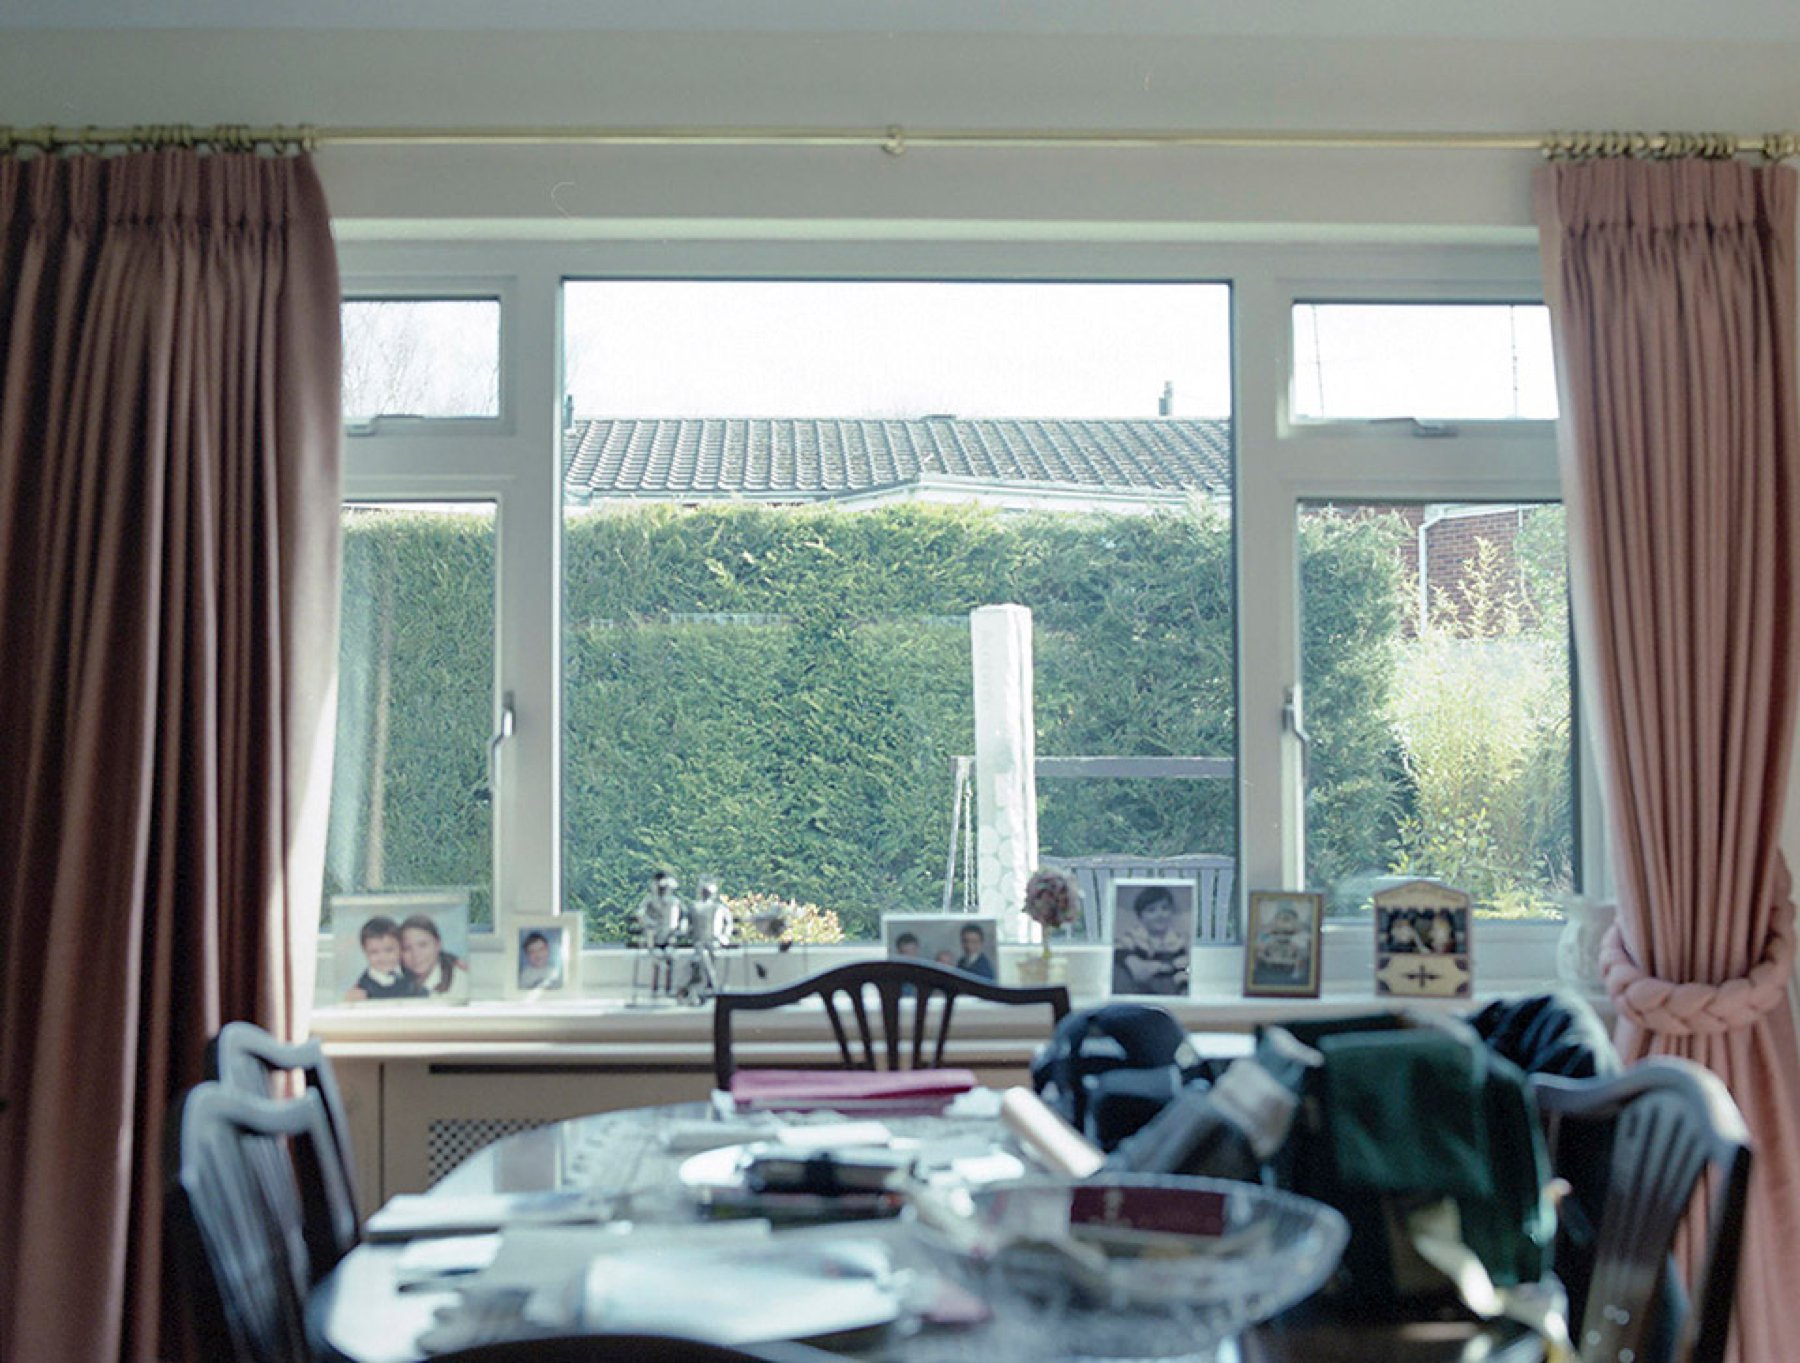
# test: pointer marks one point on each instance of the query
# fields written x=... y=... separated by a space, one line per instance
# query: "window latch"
x=509 y=721
x=1293 y=724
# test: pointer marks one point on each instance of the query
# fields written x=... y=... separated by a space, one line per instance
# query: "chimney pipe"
x=1165 y=405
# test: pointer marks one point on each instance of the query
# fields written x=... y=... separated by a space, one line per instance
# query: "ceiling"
x=1626 y=20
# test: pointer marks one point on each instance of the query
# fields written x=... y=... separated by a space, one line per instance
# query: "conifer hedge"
x=774 y=696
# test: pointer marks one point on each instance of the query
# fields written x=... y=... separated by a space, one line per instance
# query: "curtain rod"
x=894 y=139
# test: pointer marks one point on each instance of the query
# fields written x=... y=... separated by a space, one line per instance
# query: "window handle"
x=509 y=721
x=1293 y=724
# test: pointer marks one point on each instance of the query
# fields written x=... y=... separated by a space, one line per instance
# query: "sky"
x=900 y=350
x=656 y=348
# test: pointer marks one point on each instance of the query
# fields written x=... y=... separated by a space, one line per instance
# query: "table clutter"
x=904 y=1236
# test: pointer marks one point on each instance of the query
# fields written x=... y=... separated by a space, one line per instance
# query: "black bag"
x=1107 y=1071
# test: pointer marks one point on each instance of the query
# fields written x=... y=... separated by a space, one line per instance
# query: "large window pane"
x=421 y=358
x=1431 y=361
x=410 y=804
x=782 y=501
x=1437 y=698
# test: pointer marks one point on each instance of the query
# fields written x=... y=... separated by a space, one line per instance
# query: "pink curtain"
x=1671 y=291
x=169 y=447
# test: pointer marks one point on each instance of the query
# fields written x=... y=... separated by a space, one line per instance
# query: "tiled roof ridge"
x=812 y=456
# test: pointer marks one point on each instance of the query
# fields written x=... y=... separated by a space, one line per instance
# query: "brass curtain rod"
x=895 y=140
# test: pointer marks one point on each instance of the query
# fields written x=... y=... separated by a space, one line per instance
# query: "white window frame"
x=515 y=460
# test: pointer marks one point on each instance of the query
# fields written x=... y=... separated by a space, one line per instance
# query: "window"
x=782 y=500
x=1435 y=655
x=411 y=804
x=421 y=357
x=718 y=558
x=1431 y=362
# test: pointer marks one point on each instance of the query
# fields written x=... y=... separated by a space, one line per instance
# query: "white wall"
x=1030 y=78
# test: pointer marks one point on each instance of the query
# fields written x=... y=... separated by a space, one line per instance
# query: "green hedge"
x=409 y=805
x=774 y=696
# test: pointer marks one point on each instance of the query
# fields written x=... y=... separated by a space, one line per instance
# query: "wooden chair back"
x=913 y=1000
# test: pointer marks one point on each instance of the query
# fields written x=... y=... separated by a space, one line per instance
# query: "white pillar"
x=1005 y=764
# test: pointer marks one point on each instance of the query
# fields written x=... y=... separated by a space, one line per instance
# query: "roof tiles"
x=819 y=458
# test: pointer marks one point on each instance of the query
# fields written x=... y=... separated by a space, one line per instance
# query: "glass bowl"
x=1143 y=1266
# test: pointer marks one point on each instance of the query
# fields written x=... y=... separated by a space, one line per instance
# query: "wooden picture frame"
x=1283 y=934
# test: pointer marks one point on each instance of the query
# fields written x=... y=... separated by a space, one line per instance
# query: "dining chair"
x=236 y=1213
x=248 y=1059
x=631 y=1349
x=1667 y=1121
x=904 y=993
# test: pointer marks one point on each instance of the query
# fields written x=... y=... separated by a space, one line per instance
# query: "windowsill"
x=603 y=1024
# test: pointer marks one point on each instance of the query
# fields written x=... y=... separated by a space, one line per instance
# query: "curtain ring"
x=895 y=145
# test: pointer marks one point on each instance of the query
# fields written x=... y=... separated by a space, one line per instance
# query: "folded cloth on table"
x=849 y=1090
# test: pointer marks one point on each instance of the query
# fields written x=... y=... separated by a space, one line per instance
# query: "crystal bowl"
x=1141 y=1266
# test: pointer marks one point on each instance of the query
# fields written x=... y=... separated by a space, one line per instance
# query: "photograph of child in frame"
x=1281 y=944
x=408 y=946
x=1152 y=936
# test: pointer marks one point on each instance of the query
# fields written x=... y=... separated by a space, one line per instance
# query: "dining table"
x=541 y=1204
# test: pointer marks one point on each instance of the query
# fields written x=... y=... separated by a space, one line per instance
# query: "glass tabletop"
x=630 y=1163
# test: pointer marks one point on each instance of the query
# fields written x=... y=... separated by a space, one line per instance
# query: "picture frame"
x=542 y=957
x=1422 y=941
x=945 y=939
x=1283 y=935
x=1152 y=956
x=401 y=947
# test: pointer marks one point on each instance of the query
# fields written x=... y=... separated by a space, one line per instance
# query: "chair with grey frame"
x=245 y=1171
x=1643 y=1140
x=248 y=1059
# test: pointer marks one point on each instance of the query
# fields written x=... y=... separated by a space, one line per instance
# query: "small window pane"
x=1435 y=362
x=410 y=806
x=421 y=358
x=1438 y=704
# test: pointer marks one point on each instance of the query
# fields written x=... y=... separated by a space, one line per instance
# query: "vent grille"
x=452 y=1140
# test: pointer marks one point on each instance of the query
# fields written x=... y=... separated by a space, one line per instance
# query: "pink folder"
x=849 y=1090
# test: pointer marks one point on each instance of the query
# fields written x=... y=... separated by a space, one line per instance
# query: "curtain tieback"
x=1702 y=1009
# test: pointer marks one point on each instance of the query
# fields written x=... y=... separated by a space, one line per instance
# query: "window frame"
x=1279 y=463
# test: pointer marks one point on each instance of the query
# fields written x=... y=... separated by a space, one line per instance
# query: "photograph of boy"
x=954 y=941
x=383 y=976
x=1153 y=934
x=540 y=959
x=975 y=959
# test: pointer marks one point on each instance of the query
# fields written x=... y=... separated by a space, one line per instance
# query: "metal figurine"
x=659 y=923
x=706 y=928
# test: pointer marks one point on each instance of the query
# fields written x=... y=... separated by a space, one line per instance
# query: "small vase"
x=1043 y=970
x=1578 y=949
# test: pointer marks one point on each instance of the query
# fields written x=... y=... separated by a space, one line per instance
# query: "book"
x=416 y=1215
